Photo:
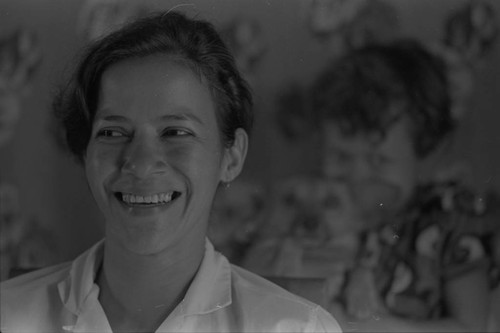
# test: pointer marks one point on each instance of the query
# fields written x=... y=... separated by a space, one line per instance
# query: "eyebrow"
x=169 y=117
x=120 y=119
x=181 y=116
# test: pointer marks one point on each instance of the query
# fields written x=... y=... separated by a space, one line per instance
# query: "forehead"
x=154 y=84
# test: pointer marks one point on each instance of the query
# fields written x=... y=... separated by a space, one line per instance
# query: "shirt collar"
x=211 y=287
x=79 y=283
x=209 y=291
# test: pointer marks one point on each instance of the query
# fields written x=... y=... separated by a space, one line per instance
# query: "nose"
x=144 y=157
x=360 y=170
x=324 y=167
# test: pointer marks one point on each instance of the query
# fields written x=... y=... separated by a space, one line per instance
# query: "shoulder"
x=39 y=287
x=260 y=298
x=454 y=197
x=39 y=279
x=459 y=218
x=454 y=208
x=244 y=281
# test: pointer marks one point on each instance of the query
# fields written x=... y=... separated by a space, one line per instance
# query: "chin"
x=139 y=242
x=145 y=247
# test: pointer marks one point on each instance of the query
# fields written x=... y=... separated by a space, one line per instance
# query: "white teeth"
x=149 y=199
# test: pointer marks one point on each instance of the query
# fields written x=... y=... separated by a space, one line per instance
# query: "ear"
x=234 y=156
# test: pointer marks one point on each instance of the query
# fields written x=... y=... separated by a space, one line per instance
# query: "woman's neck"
x=145 y=289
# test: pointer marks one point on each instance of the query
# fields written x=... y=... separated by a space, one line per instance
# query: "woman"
x=158 y=115
x=414 y=256
x=422 y=260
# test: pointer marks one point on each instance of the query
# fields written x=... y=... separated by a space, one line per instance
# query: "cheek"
x=404 y=176
x=183 y=156
x=332 y=168
x=99 y=163
x=199 y=164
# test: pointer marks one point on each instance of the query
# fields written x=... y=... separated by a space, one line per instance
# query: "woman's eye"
x=175 y=132
x=110 y=133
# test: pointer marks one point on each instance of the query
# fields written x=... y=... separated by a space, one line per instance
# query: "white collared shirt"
x=221 y=298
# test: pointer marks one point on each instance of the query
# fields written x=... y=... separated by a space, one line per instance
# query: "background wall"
x=52 y=186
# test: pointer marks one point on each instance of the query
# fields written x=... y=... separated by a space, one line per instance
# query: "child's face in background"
x=379 y=174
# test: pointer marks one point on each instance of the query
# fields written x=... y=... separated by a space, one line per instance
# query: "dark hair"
x=359 y=90
x=194 y=42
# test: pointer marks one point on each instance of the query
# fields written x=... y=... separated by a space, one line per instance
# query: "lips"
x=153 y=199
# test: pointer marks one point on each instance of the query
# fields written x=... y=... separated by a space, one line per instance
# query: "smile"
x=147 y=200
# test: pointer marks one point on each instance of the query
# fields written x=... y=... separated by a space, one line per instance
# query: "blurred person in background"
x=402 y=250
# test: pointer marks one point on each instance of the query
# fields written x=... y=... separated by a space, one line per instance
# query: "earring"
x=226 y=184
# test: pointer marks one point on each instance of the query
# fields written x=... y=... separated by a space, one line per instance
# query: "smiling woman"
x=171 y=149
x=159 y=117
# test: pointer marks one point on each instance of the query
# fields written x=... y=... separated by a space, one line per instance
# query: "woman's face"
x=380 y=175
x=155 y=156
